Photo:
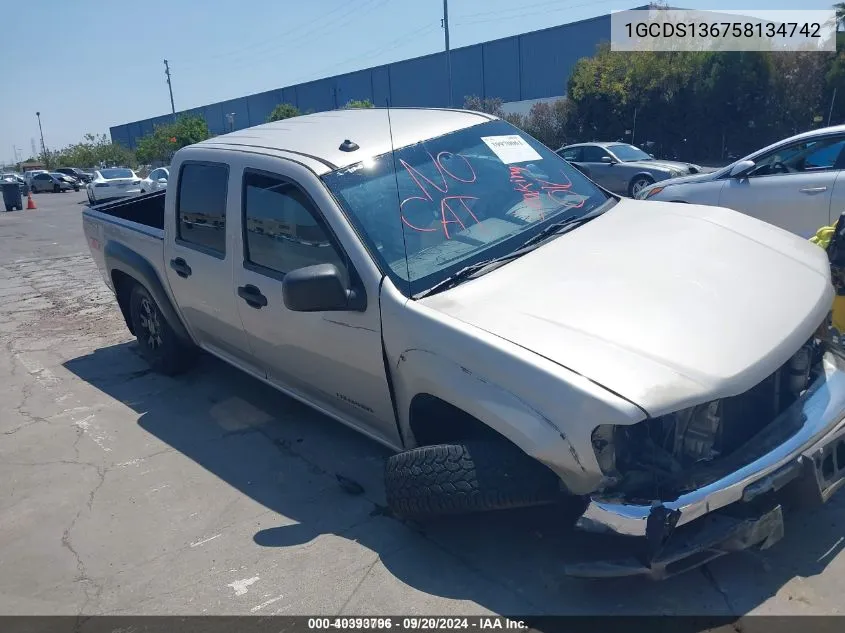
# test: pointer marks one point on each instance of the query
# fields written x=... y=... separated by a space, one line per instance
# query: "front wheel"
x=157 y=341
x=638 y=183
x=473 y=476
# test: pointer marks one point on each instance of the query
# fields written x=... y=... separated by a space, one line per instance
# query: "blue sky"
x=89 y=65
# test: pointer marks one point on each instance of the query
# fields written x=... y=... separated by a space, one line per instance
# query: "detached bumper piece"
x=742 y=509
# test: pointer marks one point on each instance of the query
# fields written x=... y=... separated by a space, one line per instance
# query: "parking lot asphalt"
x=125 y=492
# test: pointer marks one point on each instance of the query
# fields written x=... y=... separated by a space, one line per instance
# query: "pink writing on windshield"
x=451 y=208
x=532 y=189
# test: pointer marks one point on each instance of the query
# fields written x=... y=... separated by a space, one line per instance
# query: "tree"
x=283 y=111
x=93 y=151
x=166 y=139
x=489 y=105
x=358 y=103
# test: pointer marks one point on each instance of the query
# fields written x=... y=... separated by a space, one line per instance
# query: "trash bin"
x=12 y=198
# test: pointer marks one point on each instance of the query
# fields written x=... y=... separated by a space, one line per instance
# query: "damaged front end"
x=708 y=480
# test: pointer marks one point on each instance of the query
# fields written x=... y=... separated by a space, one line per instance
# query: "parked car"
x=29 y=175
x=795 y=184
x=78 y=174
x=622 y=168
x=156 y=180
x=16 y=178
x=472 y=301
x=56 y=183
x=68 y=179
x=113 y=182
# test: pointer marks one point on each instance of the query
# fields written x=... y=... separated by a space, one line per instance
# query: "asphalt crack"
x=90 y=586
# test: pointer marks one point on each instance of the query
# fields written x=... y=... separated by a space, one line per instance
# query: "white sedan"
x=113 y=182
x=797 y=184
x=156 y=181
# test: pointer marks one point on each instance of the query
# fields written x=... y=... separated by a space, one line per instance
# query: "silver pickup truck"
x=450 y=287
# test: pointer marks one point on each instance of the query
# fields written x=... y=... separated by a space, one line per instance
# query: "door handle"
x=181 y=267
x=812 y=189
x=252 y=296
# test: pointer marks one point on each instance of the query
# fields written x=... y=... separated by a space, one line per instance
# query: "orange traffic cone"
x=30 y=203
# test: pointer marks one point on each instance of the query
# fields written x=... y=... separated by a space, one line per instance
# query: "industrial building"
x=520 y=70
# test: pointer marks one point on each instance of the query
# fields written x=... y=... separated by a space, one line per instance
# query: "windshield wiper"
x=556 y=228
x=485 y=266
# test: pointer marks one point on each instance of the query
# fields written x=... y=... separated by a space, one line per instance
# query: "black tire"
x=10 y=207
x=637 y=183
x=57 y=189
x=157 y=341
x=475 y=476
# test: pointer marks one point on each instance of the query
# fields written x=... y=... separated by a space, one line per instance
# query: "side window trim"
x=193 y=245
x=838 y=164
x=315 y=211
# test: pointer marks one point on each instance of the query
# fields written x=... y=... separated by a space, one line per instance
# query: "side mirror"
x=651 y=155
x=319 y=288
x=742 y=168
x=607 y=160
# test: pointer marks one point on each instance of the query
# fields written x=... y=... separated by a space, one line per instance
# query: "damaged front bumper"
x=736 y=511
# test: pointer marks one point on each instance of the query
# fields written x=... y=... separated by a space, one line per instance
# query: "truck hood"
x=667 y=305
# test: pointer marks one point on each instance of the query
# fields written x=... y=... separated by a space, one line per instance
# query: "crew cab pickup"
x=450 y=287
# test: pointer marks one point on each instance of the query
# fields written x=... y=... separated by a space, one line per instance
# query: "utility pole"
x=832 y=101
x=43 y=147
x=15 y=150
x=448 y=55
x=170 y=88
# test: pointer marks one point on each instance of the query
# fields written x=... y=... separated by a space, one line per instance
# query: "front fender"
x=421 y=371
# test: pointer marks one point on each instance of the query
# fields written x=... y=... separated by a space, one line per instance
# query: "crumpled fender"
x=421 y=371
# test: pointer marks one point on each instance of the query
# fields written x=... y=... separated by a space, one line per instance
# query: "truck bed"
x=146 y=209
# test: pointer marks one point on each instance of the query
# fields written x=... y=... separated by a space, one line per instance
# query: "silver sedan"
x=795 y=184
x=623 y=168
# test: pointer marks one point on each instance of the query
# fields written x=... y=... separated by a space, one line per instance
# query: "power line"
x=384 y=48
x=362 y=10
x=253 y=45
x=521 y=13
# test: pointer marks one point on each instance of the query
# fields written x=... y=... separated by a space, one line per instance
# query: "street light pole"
x=43 y=147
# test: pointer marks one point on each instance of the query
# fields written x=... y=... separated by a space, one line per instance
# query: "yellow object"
x=838 y=315
x=823 y=236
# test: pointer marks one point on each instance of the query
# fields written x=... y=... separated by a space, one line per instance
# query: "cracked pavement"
x=126 y=492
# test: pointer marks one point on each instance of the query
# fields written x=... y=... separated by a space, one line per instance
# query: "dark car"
x=75 y=172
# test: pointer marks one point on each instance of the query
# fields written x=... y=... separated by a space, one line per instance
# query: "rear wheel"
x=56 y=189
x=157 y=341
x=473 y=476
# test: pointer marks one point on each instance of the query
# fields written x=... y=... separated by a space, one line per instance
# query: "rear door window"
x=201 y=207
x=593 y=154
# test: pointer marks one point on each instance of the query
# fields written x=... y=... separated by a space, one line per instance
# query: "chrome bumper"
x=822 y=410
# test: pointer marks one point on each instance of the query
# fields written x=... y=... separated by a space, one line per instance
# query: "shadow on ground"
x=518 y=553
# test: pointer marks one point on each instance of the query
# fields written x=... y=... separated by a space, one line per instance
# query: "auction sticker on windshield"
x=511 y=148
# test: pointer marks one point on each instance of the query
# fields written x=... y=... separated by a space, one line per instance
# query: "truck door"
x=199 y=264
x=333 y=359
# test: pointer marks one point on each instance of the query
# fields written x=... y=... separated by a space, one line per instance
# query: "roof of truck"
x=320 y=136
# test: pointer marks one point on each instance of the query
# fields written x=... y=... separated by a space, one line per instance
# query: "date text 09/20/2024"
x=417 y=623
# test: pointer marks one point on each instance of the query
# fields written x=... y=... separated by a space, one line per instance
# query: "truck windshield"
x=457 y=199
